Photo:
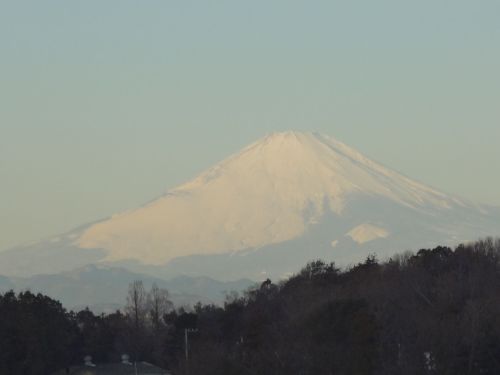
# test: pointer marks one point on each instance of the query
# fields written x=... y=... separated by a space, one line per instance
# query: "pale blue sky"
x=106 y=104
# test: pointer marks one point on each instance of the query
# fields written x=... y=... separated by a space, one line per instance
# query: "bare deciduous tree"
x=159 y=304
x=136 y=307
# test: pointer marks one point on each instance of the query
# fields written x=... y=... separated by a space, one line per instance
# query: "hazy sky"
x=106 y=104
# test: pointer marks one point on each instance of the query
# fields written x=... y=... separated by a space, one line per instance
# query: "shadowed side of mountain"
x=368 y=226
x=46 y=259
x=53 y=255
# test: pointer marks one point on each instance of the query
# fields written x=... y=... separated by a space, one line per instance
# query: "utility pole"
x=186 y=345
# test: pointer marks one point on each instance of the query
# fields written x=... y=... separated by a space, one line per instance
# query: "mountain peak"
x=268 y=193
x=298 y=195
x=291 y=137
x=295 y=141
x=288 y=136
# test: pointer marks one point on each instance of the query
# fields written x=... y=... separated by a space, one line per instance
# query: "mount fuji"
x=264 y=212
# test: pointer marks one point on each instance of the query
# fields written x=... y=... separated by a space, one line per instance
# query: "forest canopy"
x=436 y=311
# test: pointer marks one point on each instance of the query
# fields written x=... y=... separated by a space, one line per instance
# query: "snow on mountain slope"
x=268 y=193
x=366 y=233
x=286 y=199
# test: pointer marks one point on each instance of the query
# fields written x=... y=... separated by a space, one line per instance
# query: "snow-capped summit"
x=269 y=192
x=283 y=190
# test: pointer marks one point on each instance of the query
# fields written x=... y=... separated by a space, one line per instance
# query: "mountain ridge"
x=284 y=189
x=98 y=286
x=284 y=174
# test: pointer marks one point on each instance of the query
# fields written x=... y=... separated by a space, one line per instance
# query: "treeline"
x=433 y=312
x=38 y=336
